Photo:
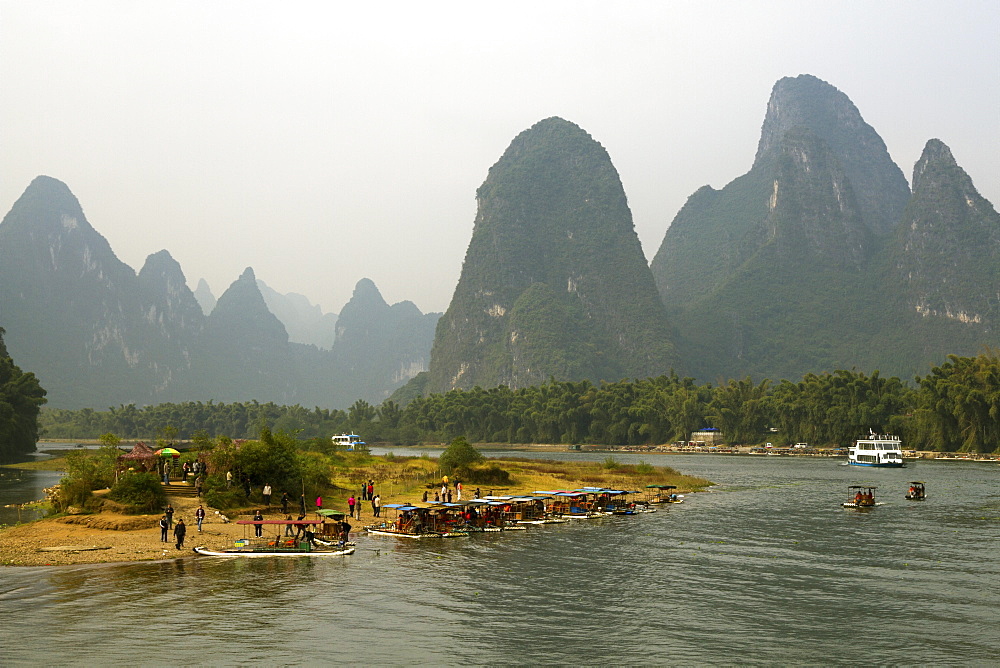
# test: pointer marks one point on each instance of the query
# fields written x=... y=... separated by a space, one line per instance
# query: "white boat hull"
x=247 y=553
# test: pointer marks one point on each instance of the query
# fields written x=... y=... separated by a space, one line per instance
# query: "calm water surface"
x=764 y=569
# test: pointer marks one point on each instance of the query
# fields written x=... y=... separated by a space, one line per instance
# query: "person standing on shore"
x=267 y=495
x=350 y=505
x=284 y=503
x=258 y=529
x=377 y=505
x=302 y=503
x=164 y=526
x=179 y=532
x=319 y=502
x=169 y=511
x=229 y=478
x=198 y=484
x=199 y=516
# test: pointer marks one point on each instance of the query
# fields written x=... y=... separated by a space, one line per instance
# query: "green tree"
x=459 y=454
x=21 y=398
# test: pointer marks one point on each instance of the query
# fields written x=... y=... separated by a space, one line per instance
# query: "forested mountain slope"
x=554 y=282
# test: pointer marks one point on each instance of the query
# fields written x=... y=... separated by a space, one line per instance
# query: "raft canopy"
x=661 y=486
x=400 y=506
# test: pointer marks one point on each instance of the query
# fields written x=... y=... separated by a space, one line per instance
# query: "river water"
x=766 y=568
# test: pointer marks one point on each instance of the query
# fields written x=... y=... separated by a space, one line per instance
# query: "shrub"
x=610 y=463
x=482 y=475
x=645 y=468
x=223 y=498
x=73 y=492
x=139 y=492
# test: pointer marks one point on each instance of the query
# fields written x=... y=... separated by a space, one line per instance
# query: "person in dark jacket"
x=179 y=532
x=164 y=526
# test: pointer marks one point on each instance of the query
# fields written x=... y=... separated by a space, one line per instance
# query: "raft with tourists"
x=861 y=497
x=917 y=492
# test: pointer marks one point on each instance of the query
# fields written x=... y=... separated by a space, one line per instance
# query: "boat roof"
x=327 y=512
x=861 y=487
x=916 y=482
x=400 y=506
x=661 y=486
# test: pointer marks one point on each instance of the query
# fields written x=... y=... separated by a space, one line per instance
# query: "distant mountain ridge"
x=819 y=258
x=305 y=322
x=98 y=334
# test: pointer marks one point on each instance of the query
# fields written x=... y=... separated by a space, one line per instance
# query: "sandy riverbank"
x=109 y=537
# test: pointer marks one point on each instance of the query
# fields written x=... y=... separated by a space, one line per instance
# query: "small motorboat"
x=916 y=491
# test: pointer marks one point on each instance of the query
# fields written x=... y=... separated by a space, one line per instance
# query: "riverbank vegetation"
x=955 y=407
x=235 y=473
x=21 y=398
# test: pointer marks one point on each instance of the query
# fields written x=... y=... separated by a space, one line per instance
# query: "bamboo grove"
x=954 y=408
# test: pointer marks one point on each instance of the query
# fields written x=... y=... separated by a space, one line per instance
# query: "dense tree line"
x=957 y=406
x=21 y=398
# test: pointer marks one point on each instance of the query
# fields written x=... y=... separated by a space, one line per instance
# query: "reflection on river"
x=766 y=568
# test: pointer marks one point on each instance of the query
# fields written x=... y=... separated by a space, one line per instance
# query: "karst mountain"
x=554 y=283
x=820 y=258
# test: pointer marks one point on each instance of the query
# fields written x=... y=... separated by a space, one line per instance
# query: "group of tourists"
x=354 y=506
x=864 y=498
x=445 y=494
x=180 y=529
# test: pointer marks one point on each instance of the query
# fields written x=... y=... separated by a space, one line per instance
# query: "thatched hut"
x=141 y=458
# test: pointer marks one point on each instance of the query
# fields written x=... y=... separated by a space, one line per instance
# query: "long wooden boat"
x=663 y=494
x=571 y=505
x=614 y=501
x=277 y=546
x=414 y=521
x=273 y=552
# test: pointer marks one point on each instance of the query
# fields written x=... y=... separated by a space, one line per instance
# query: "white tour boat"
x=347 y=441
x=878 y=450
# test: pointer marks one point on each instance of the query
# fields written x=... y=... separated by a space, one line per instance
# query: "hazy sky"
x=323 y=142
